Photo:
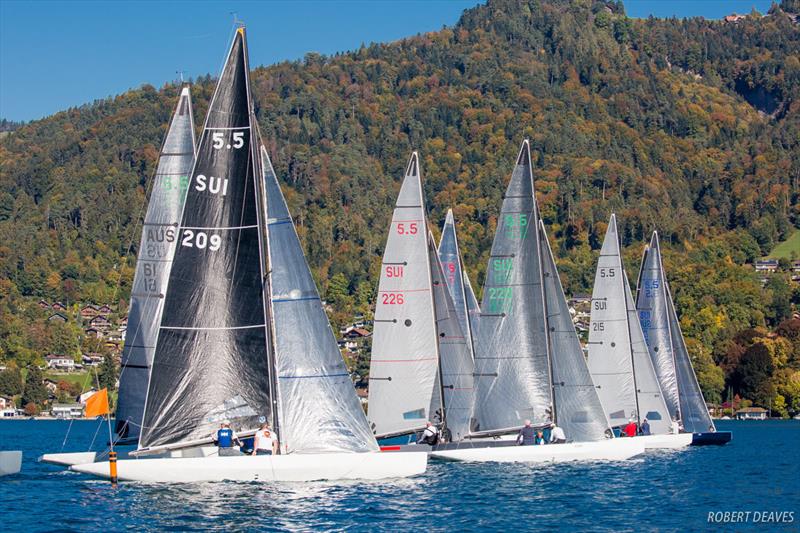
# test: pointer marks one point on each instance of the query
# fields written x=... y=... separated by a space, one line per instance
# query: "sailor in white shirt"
x=265 y=442
x=673 y=427
x=430 y=435
x=557 y=435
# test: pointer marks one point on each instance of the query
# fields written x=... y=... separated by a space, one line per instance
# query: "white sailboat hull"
x=10 y=462
x=665 y=442
x=293 y=467
x=606 y=450
x=69 y=459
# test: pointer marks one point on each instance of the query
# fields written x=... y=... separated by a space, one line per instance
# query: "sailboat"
x=153 y=265
x=618 y=359
x=528 y=361
x=668 y=351
x=243 y=336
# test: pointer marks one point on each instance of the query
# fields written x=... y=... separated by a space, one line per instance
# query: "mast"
x=628 y=323
x=548 y=327
x=264 y=248
x=432 y=256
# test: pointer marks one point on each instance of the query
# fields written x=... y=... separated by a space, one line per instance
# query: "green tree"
x=11 y=382
x=34 y=391
x=107 y=373
x=338 y=290
x=780 y=306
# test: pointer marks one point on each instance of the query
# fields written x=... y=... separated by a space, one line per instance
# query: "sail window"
x=653 y=415
x=416 y=414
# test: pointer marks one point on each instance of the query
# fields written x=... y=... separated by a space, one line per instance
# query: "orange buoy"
x=112 y=464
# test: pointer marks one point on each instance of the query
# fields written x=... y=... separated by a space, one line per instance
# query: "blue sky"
x=58 y=54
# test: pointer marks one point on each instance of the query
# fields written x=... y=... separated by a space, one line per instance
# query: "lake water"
x=668 y=491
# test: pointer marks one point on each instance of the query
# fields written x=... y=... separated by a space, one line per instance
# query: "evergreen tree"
x=35 y=391
x=11 y=382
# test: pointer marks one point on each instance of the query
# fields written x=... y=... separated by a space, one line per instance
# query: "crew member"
x=526 y=435
x=630 y=429
x=645 y=427
x=430 y=435
x=265 y=442
x=557 y=435
x=226 y=438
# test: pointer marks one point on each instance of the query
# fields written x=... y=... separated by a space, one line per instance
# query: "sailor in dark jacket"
x=526 y=435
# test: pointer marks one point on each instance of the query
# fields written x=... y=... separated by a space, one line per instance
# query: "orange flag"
x=97 y=404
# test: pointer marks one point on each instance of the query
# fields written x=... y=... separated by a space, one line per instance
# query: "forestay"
x=404 y=345
x=577 y=405
x=512 y=374
x=319 y=410
x=211 y=360
x=153 y=265
x=456 y=363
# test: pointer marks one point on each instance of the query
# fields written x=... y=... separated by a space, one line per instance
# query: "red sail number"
x=407 y=229
x=393 y=298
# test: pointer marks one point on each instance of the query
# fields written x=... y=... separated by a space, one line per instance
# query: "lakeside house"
x=766 y=265
x=354 y=338
x=67 y=410
x=58 y=306
x=60 y=362
x=751 y=413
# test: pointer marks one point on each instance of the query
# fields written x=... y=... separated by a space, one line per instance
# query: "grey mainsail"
x=666 y=345
x=457 y=282
x=577 y=405
x=512 y=371
x=455 y=360
x=403 y=368
x=319 y=410
x=153 y=265
x=654 y=319
x=618 y=361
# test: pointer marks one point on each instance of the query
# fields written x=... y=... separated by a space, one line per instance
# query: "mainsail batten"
x=210 y=363
x=403 y=369
x=512 y=366
x=319 y=409
x=579 y=411
x=153 y=265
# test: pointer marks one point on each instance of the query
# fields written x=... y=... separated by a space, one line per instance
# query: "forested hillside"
x=690 y=127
